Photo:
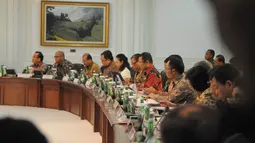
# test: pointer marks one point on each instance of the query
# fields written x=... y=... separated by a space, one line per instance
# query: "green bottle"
x=93 y=79
x=147 y=113
x=106 y=89
x=1 y=71
x=150 y=128
x=138 y=139
x=125 y=104
x=27 y=70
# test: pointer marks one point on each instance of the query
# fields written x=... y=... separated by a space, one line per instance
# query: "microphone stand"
x=161 y=118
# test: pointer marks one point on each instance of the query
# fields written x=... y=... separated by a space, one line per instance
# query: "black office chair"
x=163 y=78
x=78 y=67
x=237 y=138
x=49 y=66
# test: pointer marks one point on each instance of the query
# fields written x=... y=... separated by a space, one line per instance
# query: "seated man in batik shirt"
x=108 y=63
x=153 y=79
x=38 y=64
x=179 y=91
x=63 y=66
x=90 y=65
x=224 y=84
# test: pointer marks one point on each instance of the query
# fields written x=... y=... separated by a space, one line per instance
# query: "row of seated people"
x=208 y=82
x=205 y=83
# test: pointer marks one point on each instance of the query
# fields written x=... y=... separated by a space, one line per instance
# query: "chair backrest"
x=163 y=78
x=237 y=138
x=78 y=67
x=49 y=66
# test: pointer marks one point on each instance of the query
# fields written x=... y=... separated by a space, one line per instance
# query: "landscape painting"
x=81 y=24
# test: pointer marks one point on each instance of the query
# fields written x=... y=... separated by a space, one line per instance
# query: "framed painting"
x=74 y=24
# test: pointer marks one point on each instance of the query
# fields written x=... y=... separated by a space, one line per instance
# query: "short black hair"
x=146 y=57
x=136 y=56
x=224 y=73
x=12 y=130
x=221 y=58
x=177 y=57
x=40 y=55
x=124 y=59
x=166 y=60
x=198 y=77
x=107 y=55
x=212 y=52
x=190 y=123
x=176 y=64
x=89 y=57
x=173 y=56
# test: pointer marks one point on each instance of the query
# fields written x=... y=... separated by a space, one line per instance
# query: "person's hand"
x=167 y=104
x=151 y=96
x=127 y=81
x=150 y=90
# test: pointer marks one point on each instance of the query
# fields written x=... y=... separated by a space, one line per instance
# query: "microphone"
x=163 y=115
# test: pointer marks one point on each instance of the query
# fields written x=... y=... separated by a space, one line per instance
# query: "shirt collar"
x=90 y=66
x=149 y=69
x=178 y=79
x=38 y=65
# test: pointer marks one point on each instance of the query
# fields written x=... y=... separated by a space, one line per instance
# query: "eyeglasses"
x=56 y=56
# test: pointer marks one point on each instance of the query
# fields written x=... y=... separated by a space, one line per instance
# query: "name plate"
x=47 y=77
x=76 y=81
x=87 y=83
x=108 y=99
x=131 y=133
x=92 y=86
x=115 y=104
x=100 y=90
x=65 y=78
x=120 y=112
x=24 y=75
x=102 y=94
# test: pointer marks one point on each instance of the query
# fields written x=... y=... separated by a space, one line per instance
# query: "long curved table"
x=65 y=96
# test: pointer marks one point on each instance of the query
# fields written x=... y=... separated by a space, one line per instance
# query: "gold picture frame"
x=74 y=24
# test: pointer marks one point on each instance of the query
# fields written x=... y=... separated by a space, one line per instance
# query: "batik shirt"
x=88 y=70
x=152 y=79
x=111 y=68
x=63 y=68
x=207 y=99
x=42 y=67
x=179 y=92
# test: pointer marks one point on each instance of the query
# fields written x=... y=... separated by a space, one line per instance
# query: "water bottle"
x=147 y=113
x=1 y=71
x=125 y=104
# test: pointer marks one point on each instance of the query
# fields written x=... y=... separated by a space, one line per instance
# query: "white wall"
x=50 y=51
x=20 y=32
x=187 y=28
x=162 y=27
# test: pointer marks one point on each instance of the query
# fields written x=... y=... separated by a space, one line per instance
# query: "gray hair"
x=207 y=65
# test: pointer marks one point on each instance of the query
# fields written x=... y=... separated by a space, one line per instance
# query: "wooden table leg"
x=97 y=118
x=109 y=132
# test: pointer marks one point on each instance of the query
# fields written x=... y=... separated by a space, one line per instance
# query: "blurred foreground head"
x=236 y=20
x=20 y=131
x=190 y=123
